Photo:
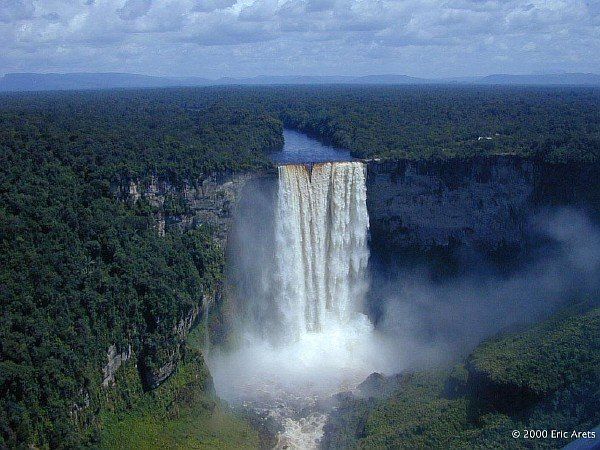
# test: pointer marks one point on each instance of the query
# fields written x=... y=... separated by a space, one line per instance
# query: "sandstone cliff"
x=209 y=202
x=482 y=202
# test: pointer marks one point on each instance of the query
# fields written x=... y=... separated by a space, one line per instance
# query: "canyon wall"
x=190 y=204
x=422 y=206
x=480 y=202
x=209 y=202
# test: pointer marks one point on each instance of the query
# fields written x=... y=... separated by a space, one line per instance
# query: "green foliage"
x=81 y=271
x=416 y=417
x=448 y=409
x=183 y=132
x=181 y=413
x=443 y=122
x=424 y=122
x=117 y=135
x=543 y=359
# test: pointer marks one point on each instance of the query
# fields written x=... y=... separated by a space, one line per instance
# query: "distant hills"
x=70 y=81
x=548 y=79
x=74 y=81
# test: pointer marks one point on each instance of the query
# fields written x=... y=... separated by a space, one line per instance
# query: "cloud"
x=212 y=5
x=134 y=9
x=15 y=10
x=319 y=5
x=262 y=11
x=226 y=29
x=423 y=38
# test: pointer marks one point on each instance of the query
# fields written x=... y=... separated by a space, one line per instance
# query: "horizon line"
x=386 y=74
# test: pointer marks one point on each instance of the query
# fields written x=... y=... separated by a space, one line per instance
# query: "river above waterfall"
x=300 y=148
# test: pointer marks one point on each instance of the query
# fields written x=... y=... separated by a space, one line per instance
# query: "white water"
x=316 y=284
x=321 y=234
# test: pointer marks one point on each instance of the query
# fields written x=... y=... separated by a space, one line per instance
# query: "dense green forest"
x=417 y=122
x=81 y=271
x=442 y=122
x=182 y=413
x=546 y=375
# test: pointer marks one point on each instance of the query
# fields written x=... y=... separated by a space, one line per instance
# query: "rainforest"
x=300 y=267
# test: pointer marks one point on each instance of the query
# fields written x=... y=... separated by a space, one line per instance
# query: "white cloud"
x=248 y=37
x=212 y=5
x=132 y=9
x=15 y=10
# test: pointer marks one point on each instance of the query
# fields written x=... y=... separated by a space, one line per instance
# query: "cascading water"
x=302 y=333
x=321 y=238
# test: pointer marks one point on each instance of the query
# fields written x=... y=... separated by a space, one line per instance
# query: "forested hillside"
x=81 y=271
x=546 y=375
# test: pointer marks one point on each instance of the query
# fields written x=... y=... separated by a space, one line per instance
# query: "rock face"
x=155 y=377
x=115 y=360
x=191 y=204
x=436 y=204
x=210 y=202
x=483 y=202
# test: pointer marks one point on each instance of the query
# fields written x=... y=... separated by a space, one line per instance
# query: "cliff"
x=193 y=204
x=422 y=205
x=480 y=202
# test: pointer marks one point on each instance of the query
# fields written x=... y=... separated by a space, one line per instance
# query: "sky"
x=241 y=38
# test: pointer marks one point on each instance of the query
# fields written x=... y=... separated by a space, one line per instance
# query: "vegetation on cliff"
x=81 y=271
x=183 y=413
x=539 y=361
x=545 y=377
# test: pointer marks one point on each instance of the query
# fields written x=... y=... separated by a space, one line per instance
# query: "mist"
x=437 y=322
x=297 y=314
x=423 y=322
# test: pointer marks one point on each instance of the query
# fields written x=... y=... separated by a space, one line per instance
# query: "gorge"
x=178 y=269
x=301 y=331
x=312 y=318
x=306 y=316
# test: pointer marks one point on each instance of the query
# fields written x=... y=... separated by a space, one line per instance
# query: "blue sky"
x=214 y=38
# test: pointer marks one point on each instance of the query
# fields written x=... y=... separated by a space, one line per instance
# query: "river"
x=299 y=148
x=301 y=332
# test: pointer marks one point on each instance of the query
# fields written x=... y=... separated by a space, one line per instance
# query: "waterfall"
x=300 y=285
x=301 y=281
x=321 y=245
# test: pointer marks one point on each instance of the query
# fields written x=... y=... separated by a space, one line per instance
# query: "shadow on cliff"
x=435 y=321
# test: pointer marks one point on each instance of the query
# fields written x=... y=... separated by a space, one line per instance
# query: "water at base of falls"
x=305 y=338
x=293 y=384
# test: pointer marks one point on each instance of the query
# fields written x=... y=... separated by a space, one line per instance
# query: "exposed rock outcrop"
x=115 y=360
x=191 y=204
x=210 y=201
x=438 y=203
x=482 y=202
x=155 y=377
